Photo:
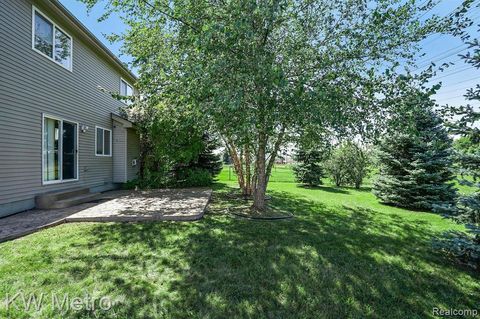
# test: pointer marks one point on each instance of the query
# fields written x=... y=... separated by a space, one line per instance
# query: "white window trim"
x=103 y=142
x=61 y=180
x=120 y=90
x=55 y=26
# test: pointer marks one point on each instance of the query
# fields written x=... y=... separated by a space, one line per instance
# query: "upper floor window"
x=126 y=89
x=51 y=41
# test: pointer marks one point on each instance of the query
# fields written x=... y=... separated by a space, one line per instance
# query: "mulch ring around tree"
x=232 y=203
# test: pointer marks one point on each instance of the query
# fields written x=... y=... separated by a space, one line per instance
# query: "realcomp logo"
x=455 y=312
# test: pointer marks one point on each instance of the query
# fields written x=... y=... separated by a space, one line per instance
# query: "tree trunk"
x=261 y=176
x=254 y=184
x=142 y=157
x=273 y=155
x=237 y=164
x=248 y=174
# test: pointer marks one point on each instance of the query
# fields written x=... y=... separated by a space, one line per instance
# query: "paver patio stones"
x=114 y=206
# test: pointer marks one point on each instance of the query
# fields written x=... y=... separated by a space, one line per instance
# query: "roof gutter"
x=126 y=123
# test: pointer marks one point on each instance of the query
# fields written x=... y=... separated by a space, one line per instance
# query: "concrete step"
x=72 y=193
x=76 y=200
x=45 y=201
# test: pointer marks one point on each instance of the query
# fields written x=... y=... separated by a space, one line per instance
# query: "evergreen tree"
x=207 y=159
x=226 y=158
x=415 y=158
x=202 y=168
x=308 y=169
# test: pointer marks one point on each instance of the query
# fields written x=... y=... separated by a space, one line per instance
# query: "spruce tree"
x=415 y=158
x=202 y=168
x=308 y=169
x=207 y=159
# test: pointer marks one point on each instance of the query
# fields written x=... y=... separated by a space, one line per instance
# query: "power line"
x=440 y=57
x=453 y=73
x=460 y=90
x=464 y=81
x=436 y=4
x=452 y=97
x=457 y=60
x=426 y=61
x=465 y=47
x=438 y=36
x=434 y=39
x=424 y=3
x=453 y=62
x=454 y=90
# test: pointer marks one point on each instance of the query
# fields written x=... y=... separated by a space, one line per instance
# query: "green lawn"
x=342 y=256
x=284 y=174
x=280 y=173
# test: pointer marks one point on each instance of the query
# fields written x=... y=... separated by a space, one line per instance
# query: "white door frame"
x=60 y=150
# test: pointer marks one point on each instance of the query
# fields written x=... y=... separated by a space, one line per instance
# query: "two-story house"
x=60 y=129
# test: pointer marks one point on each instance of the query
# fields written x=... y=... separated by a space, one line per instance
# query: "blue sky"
x=438 y=48
x=444 y=48
x=90 y=19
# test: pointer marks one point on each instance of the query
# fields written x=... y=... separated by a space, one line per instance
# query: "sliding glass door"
x=51 y=150
x=59 y=150
x=69 y=151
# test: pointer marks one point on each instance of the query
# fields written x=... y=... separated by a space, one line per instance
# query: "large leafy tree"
x=259 y=70
x=465 y=122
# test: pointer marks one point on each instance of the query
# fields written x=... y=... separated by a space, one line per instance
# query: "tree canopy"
x=261 y=71
x=465 y=122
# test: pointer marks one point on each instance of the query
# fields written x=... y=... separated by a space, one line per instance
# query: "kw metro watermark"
x=60 y=302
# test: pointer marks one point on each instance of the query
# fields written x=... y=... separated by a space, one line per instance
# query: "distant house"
x=60 y=129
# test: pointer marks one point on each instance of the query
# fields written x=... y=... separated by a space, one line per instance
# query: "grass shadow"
x=330 y=262
x=327 y=262
x=325 y=188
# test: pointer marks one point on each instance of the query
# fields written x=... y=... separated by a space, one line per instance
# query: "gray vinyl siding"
x=119 y=153
x=133 y=150
x=30 y=85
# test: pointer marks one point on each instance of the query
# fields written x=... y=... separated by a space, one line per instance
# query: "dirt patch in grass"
x=233 y=203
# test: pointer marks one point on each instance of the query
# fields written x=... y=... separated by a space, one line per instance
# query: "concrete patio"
x=114 y=206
